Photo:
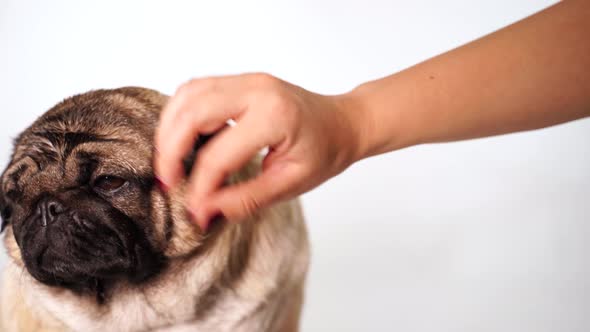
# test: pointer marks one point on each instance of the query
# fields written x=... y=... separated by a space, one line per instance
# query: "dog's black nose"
x=49 y=209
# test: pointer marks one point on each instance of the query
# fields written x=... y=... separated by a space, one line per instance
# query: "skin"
x=529 y=75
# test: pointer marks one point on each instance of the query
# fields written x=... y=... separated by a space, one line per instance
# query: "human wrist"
x=382 y=119
x=358 y=125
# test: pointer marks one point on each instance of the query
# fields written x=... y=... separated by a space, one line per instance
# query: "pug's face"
x=79 y=204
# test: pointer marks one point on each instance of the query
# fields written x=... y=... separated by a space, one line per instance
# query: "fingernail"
x=203 y=224
x=162 y=185
x=192 y=215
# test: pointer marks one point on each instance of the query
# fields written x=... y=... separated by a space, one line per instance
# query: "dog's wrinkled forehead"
x=114 y=126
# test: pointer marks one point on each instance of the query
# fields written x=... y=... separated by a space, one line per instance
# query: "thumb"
x=242 y=200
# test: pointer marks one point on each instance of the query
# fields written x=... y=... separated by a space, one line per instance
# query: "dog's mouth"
x=65 y=255
x=86 y=253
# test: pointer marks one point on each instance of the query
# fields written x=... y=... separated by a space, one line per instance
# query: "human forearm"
x=530 y=75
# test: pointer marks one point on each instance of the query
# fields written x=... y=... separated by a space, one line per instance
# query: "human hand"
x=310 y=137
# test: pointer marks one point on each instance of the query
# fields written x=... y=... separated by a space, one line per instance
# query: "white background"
x=485 y=235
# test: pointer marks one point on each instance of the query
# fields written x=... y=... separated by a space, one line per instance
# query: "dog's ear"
x=189 y=161
x=5 y=211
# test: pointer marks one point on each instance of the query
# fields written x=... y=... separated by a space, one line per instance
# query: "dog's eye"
x=109 y=183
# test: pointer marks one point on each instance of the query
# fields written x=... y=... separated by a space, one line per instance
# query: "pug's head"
x=79 y=203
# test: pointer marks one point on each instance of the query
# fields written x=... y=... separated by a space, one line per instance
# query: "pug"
x=95 y=245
